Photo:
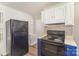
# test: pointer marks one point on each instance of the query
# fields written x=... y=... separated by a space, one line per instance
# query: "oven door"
x=52 y=49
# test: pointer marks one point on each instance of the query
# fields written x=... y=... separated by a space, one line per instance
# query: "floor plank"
x=32 y=51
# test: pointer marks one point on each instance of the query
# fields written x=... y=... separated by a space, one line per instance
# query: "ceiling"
x=33 y=8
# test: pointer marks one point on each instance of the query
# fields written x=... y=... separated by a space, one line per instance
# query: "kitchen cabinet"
x=59 y=14
x=53 y=15
x=69 y=14
x=46 y=15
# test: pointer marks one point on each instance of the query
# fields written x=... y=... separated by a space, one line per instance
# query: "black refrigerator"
x=16 y=37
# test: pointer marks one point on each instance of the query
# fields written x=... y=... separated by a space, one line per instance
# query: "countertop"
x=68 y=40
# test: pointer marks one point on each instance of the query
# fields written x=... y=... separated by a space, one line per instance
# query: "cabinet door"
x=69 y=14
x=60 y=14
x=51 y=16
x=48 y=16
x=44 y=16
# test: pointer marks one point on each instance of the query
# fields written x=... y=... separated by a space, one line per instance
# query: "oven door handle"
x=54 y=43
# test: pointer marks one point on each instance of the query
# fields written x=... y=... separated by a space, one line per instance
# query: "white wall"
x=39 y=27
x=76 y=24
x=39 y=30
x=10 y=13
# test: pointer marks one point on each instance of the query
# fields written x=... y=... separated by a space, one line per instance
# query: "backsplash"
x=68 y=29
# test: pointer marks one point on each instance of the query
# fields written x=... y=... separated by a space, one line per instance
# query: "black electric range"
x=53 y=43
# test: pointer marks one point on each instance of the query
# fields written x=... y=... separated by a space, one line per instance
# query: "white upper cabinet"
x=69 y=14
x=53 y=15
x=47 y=15
x=63 y=13
x=60 y=13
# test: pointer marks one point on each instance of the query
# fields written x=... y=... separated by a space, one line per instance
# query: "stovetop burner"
x=56 y=36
